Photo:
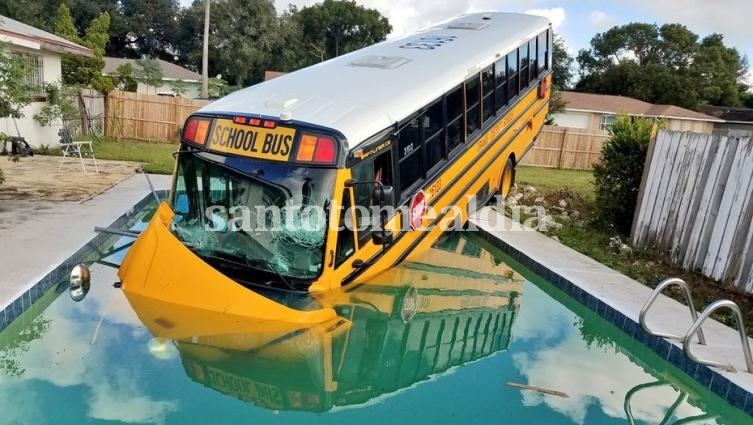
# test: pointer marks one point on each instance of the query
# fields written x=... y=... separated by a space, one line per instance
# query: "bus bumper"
x=160 y=268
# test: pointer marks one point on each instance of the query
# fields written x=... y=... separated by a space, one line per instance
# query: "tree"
x=562 y=63
x=14 y=88
x=80 y=70
x=244 y=36
x=562 y=73
x=149 y=72
x=37 y=13
x=123 y=77
x=148 y=28
x=618 y=176
x=666 y=65
x=335 y=27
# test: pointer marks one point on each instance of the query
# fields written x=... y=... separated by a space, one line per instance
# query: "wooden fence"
x=696 y=204
x=147 y=117
x=563 y=147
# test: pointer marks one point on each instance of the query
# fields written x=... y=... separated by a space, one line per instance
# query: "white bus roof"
x=366 y=91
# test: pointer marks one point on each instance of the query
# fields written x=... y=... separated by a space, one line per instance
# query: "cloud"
x=124 y=404
x=600 y=20
x=556 y=15
x=69 y=354
x=579 y=371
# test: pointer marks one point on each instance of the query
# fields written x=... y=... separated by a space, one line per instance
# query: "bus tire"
x=507 y=178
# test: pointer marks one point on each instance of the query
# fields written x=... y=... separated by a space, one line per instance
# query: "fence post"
x=562 y=147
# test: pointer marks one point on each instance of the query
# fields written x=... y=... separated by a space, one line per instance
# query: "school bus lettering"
x=253 y=142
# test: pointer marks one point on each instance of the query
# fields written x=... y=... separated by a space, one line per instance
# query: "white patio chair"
x=73 y=149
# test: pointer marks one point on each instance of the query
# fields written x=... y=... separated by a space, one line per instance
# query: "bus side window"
x=487 y=87
x=411 y=156
x=455 y=114
x=346 y=243
x=532 y=65
x=433 y=134
x=500 y=71
x=542 y=53
x=473 y=107
x=512 y=74
x=523 y=65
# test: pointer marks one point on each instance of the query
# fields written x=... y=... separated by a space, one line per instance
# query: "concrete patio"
x=43 y=178
x=46 y=215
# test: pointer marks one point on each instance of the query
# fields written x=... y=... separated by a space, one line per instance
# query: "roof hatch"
x=383 y=62
x=475 y=26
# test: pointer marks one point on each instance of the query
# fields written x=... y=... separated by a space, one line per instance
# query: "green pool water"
x=408 y=350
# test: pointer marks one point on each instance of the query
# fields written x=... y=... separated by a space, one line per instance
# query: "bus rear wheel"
x=507 y=179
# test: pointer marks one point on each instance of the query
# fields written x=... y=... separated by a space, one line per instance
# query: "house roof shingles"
x=169 y=70
x=603 y=103
x=740 y=115
x=46 y=40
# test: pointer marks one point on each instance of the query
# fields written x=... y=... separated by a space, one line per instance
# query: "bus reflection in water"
x=453 y=304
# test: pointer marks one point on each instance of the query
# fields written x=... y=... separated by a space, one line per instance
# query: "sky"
x=577 y=21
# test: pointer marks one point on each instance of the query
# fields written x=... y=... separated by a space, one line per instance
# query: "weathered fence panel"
x=563 y=147
x=147 y=117
x=696 y=204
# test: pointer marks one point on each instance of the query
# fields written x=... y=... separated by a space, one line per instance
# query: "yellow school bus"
x=446 y=307
x=327 y=176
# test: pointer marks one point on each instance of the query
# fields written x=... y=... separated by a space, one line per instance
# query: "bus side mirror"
x=383 y=195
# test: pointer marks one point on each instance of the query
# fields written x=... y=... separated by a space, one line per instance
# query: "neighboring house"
x=737 y=121
x=43 y=52
x=172 y=75
x=597 y=112
x=271 y=75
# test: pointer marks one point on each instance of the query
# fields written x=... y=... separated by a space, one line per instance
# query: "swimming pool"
x=437 y=340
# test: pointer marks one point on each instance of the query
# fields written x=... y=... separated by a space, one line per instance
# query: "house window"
x=35 y=78
x=607 y=121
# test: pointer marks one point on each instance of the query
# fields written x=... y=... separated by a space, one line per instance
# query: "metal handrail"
x=659 y=288
x=740 y=328
x=682 y=397
x=629 y=397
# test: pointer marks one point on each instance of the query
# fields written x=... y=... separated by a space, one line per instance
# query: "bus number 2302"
x=429 y=43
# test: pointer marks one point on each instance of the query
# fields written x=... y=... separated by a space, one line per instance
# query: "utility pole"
x=205 y=55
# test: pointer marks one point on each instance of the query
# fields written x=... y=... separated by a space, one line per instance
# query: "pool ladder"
x=697 y=322
x=681 y=398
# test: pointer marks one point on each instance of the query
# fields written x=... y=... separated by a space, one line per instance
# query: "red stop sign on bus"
x=417 y=209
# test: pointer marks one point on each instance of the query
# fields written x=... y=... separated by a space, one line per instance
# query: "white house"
x=171 y=74
x=43 y=51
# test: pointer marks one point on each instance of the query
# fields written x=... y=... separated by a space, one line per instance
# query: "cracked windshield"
x=240 y=213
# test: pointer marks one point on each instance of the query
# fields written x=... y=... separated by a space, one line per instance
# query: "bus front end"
x=248 y=213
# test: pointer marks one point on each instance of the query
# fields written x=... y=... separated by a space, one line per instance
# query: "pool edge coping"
x=27 y=298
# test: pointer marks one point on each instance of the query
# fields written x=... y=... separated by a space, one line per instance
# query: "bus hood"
x=158 y=267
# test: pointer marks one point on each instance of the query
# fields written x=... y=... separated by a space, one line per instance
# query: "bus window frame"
x=347 y=208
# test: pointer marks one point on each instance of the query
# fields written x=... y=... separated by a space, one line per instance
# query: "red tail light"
x=319 y=149
x=325 y=150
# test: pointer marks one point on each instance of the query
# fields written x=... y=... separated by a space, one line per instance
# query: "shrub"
x=2 y=178
x=618 y=176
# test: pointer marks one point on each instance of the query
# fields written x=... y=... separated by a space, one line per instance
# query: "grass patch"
x=552 y=179
x=156 y=157
x=591 y=237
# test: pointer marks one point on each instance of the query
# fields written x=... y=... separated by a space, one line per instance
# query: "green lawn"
x=551 y=179
x=156 y=157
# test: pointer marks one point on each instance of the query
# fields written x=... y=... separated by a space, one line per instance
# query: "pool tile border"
x=18 y=306
x=672 y=353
